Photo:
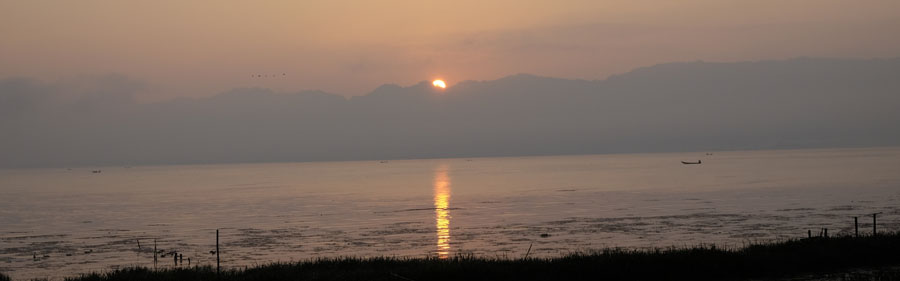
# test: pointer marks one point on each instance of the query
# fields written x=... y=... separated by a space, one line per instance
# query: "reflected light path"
x=442 y=211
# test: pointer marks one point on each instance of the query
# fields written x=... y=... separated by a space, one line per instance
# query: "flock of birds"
x=35 y=257
x=160 y=252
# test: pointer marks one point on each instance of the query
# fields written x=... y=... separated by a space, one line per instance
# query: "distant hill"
x=689 y=106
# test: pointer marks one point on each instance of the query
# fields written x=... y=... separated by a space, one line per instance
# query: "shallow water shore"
x=837 y=258
x=64 y=222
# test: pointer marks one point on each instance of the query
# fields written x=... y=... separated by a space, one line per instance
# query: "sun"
x=439 y=83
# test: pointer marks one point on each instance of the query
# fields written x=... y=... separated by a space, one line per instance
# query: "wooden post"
x=154 y=253
x=874 y=224
x=826 y=232
x=217 y=251
x=856 y=226
x=529 y=251
x=809 y=233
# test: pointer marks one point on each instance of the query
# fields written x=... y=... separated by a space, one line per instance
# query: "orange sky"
x=200 y=48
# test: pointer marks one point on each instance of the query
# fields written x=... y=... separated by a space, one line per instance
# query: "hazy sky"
x=200 y=48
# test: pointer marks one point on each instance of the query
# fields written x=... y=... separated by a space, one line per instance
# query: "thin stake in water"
x=529 y=250
x=217 y=251
x=874 y=224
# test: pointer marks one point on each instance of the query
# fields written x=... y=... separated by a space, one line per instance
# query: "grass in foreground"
x=773 y=260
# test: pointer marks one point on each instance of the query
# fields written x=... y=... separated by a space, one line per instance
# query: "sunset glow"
x=439 y=83
x=602 y=139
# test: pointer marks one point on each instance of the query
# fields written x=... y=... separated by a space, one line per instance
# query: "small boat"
x=691 y=163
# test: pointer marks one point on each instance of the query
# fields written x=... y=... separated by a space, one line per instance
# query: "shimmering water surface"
x=59 y=222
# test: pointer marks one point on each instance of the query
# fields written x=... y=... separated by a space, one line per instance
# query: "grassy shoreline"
x=759 y=261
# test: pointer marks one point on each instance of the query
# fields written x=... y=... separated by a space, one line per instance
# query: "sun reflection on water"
x=442 y=211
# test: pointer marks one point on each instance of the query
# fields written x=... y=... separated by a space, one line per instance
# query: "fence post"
x=217 y=251
x=856 y=226
x=874 y=224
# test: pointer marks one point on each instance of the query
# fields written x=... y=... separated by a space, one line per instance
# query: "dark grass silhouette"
x=3 y=277
x=767 y=260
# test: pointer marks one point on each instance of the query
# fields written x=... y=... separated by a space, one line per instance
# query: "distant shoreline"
x=836 y=258
x=88 y=168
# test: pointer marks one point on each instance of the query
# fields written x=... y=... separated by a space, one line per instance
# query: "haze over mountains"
x=692 y=106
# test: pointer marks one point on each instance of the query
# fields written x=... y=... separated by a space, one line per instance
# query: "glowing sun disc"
x=439 y=83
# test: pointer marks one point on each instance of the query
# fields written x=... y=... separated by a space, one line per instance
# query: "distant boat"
x=691 y=163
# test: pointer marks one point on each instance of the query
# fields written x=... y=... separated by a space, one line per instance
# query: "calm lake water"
x=61 y=222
